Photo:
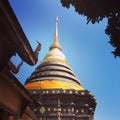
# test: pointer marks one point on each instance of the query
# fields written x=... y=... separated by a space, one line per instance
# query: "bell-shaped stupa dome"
x=54 y=71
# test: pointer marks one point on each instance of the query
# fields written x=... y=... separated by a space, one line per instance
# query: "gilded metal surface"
x=55 y=42
x=54 y=71
x=52 y=84
x=42 y=109
x=55 y=55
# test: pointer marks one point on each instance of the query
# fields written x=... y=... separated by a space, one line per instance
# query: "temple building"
x=57 y=90
x=14 y=98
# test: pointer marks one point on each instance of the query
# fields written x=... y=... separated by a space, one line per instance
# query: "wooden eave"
x=13 y=32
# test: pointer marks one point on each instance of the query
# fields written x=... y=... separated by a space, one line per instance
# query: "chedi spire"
x=55 y=43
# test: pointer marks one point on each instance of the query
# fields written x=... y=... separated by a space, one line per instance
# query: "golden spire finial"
x=55 y=43
x=56 y=30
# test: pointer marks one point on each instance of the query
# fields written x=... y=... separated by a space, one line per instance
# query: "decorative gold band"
x=52 y=84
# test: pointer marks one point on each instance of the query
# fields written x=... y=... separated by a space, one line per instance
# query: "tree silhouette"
x=96 y=11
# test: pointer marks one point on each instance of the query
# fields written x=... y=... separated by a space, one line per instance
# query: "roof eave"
x=23 y=47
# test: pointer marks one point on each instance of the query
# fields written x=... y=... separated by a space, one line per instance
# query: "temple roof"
x=54 y=71
x=13 y=37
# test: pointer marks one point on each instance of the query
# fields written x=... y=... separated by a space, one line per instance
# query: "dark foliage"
x=96 y=10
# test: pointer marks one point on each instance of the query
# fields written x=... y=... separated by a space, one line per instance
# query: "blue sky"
x=84 y=45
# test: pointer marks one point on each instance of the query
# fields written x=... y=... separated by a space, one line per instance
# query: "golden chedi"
x=57 y=89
